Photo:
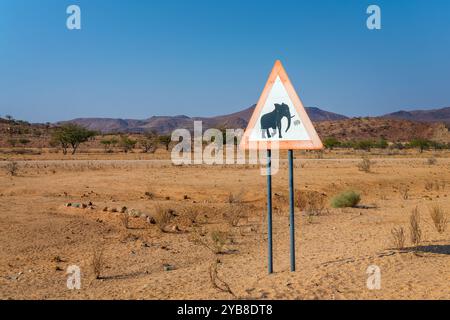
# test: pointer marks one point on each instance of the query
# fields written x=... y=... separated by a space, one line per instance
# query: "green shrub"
x=346 y=199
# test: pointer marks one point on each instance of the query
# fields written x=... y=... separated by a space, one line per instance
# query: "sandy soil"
x=40 y=237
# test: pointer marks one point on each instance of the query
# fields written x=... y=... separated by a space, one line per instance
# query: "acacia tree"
x=422 y=144
x=331 y=142
x=126 y=143
x=149 y=142
x=165 y=140
x=71 y=135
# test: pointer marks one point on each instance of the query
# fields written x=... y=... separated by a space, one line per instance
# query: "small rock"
x=151 y=220
x=167 y=198
x=175 y=229
x=113 y=209
x=168 y=267
x=105 y=209
x=68 y=204
x=123 y=210
x=185 y=197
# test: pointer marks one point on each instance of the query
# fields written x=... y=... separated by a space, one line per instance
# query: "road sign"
x=280 y=121
x=280 y=116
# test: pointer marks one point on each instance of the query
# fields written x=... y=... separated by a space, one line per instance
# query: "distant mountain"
x=434 y=115
x=166 y=124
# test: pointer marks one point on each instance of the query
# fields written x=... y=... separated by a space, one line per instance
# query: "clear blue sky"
x=136 y=58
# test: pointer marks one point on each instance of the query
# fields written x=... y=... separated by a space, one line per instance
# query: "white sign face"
x=278 y=119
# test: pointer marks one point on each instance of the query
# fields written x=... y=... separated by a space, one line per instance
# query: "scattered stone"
x=175 y=229
x=14 y=277
x=58 y=259
x=113 y=209
x=134 y=213
x=123 y=210
x=168 y=267
x=105 y=209
x=167 y=198
x=83 y=206
x=185 y=197
x=58 y=268
x=151 y=220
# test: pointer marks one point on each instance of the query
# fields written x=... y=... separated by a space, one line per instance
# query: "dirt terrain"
x=40 y=236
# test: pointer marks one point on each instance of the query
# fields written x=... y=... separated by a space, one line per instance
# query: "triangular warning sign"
x=280 y=120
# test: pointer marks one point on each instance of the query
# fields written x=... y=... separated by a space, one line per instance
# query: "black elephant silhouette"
x=273 y=120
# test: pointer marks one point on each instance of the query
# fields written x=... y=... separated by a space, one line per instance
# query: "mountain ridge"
x=166 y=124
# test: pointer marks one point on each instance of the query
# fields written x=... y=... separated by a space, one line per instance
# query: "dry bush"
x=365 y=165
x=414 y=227
x=190 y=215
x=98 y=263
x=235 y=197
x=163 y=217
x=216 y=241
x=311 y=202
x=234 y=213
x=398 y=237
x=404 y=192
x=439 y=218
x=431 y=161
x=218 y=282
x=434 y=185
x=125 y=219
x=219 y=240
x=150 y=195
x=12 y=167
x=429 y=185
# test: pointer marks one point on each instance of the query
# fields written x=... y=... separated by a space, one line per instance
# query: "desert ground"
x=139 y=255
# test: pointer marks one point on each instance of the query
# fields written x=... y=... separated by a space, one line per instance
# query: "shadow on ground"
x=439 y=249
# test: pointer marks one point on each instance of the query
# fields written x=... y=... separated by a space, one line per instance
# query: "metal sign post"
x=291 y=208
x=269 y=209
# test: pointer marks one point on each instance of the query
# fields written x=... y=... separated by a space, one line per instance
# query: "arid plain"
x=147 y=229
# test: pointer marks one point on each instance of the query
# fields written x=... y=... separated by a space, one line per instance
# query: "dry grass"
x=365 y=165
x=398 y=237
x=404 y=192
x=98 y=263
x=163 y=217
x=311 y=202
x=191 y=215
x=435 y=185
x=216 y=241
x=439 y=218
x=415 y=231
x=219 y=240
x=234 y=213
x=12 y=168
x=431 y=161
x=235 y=197
x=125 y=220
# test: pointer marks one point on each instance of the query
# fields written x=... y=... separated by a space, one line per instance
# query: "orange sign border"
x=314 y=144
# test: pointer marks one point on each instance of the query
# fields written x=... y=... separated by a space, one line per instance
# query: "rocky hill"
x=166 y=124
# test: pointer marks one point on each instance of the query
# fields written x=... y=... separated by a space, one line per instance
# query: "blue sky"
x=135 y=58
